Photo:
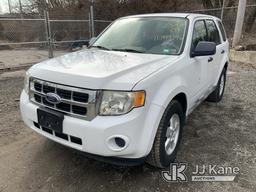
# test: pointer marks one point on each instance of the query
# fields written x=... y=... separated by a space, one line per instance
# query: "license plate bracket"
x=50 y=119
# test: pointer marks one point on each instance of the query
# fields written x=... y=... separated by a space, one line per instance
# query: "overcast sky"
x=4 y=8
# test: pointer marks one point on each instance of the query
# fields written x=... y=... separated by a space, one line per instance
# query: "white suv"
x=126 y=97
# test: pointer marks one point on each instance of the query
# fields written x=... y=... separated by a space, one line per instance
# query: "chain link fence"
x=248 y=38
x=49 y=31
x=62 y=30
x=16 y=31
x=65 y=33
x=100 y=25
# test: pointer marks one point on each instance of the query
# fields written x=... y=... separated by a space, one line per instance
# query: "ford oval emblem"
x=53 y=98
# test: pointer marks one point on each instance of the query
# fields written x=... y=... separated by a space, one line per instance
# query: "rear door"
x=214 y=60
x=224 y=47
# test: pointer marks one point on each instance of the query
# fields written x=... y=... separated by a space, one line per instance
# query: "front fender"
x=168 y=90
x=159 y=95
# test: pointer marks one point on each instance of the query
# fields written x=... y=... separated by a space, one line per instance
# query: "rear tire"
x=217 y=94
x=168 y=136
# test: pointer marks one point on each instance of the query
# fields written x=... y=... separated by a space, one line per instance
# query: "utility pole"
x=9 y=4
x=239 y=22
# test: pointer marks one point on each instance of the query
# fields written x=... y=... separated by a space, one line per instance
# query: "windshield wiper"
x=125 y=50
x=129 y=50
x=100 y=47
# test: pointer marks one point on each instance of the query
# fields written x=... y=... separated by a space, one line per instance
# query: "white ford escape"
x=125 y=99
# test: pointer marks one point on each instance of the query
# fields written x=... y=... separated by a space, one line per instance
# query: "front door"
x=200 y=64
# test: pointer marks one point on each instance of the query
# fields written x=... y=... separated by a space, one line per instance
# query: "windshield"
x=155 y=35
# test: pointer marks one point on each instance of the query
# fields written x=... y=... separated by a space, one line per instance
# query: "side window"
x=199 y=34
x=213 y=33
x=222 y=30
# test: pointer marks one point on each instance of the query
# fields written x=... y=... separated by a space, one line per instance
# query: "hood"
x=98 y=69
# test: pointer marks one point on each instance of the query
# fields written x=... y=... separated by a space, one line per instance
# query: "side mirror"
x=92 y=40
x=204 y=48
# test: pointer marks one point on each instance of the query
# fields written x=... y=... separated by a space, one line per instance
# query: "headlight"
x=118 y=102
x=26 y=82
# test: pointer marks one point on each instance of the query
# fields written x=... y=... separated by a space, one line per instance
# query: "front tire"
x=217 y=94
x=168 y=136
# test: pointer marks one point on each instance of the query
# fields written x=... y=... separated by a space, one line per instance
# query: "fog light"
x=120 y=142
x=117 y=142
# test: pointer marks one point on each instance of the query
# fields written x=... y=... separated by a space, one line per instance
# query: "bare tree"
x=250 y=19
x=59 y=8
x=209 y=4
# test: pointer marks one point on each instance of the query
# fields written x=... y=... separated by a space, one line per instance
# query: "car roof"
x=181 y=15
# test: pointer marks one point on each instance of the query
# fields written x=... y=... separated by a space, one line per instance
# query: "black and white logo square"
x=176 y=173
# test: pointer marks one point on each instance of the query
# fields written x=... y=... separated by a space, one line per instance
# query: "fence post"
x=239 y=22
x=21 y=11
x=9 y=5
x=222 y=10
x=48 y=33
x=89 y=26
x=92 y=18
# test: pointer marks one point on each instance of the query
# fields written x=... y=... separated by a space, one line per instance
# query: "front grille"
x=47 y=130
x=73 y=101
x=61 y=135
x=45 y=102
x=48 y=89
x=64 y=107
x=37 y=98
x=64 y=136
x=80 y=97
x=65 y=94
x=79 y=110
x=38 y=86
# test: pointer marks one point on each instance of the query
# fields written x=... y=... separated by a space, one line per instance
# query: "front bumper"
x=137 y=128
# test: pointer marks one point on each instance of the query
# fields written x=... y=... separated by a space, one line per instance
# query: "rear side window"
x=200 y=33
x=222 y=30
x=213 y=33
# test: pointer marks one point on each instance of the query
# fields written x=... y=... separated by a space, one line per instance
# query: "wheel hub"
x=222 y=81
x=172 y=134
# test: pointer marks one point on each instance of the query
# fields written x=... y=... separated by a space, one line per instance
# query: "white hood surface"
x=98 y=69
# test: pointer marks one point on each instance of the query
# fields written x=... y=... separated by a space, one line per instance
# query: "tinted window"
x=213 y=33
x=200 y=33
x=222 y=31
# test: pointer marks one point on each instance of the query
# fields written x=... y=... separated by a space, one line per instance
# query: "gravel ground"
x=23 y=57
x=222 y=134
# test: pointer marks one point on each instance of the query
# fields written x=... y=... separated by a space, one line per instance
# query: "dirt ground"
x=22 y=57
x=222 y=134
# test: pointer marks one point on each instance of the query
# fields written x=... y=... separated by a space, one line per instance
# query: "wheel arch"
x=226 y=65
x=223 y=66
x=180 y=94
x=182 y=99
x=160 y=95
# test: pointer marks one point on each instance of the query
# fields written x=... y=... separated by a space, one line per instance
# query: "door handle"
x=223 y=51
x=210 y=59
